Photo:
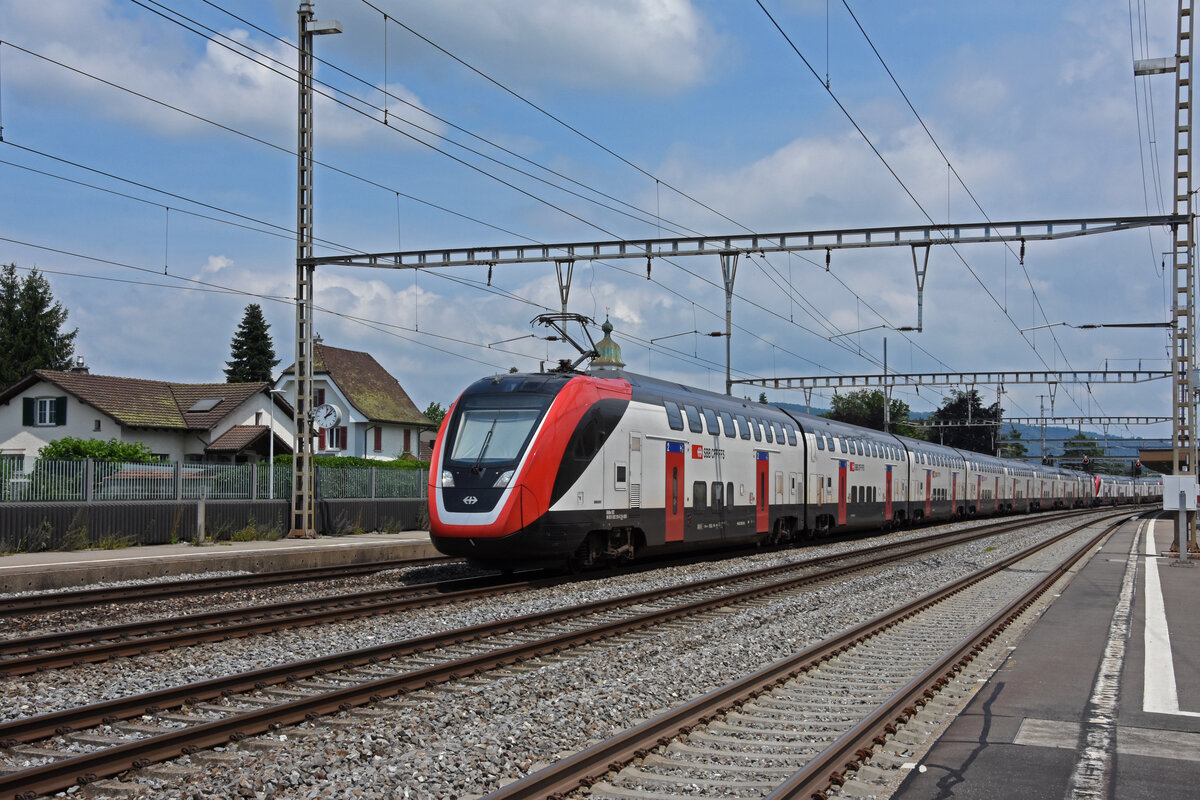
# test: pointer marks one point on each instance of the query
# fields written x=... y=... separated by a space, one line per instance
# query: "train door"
x=795 y=483
x=928 y=492
x=887 y=495
x=996 y=499
x=761 y=508
x=675 y=504
x=841 y=493
x=953 y=492
x=777 y=500
x=635 y=470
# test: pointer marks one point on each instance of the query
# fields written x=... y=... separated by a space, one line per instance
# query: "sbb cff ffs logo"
x=700 y=451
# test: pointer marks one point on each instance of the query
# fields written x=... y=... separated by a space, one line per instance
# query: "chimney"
x=80 y=367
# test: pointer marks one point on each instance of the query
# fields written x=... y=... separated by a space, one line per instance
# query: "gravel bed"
x=477 y=735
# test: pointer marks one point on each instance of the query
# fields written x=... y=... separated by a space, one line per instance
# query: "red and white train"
x=550 y=468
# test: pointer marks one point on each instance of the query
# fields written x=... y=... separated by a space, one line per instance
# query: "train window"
x=775 y=426
x=791 y=432
x=853 y=494
x=673 y=417
x=727 y=423
x=769 y=434
x=693 y=415
x=729 y=495
x=820 y=442
x=710 y=419
x=743 y=426
x=622 y=476
x=699 y=494
x=718 y=498
x=756 y=429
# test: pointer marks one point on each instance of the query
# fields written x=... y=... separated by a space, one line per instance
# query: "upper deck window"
x=693 y=415
x=710 y=419
x=727 y=423
x=674 y=418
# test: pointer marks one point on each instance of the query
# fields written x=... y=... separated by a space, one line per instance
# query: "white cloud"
x=239 y=79
x=643 y=46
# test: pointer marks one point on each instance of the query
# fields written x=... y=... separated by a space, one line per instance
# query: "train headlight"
x=447 y=478
x=503 y=480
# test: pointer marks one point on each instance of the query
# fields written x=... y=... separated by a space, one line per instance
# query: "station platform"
x=1101 y=699
x=20 y=572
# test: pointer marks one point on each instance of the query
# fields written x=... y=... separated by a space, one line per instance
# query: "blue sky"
x=1034 y=104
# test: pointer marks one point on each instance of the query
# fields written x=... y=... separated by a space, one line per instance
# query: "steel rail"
x=28 y=655
x=87 y=598
x=587 y=766
x=111 y=761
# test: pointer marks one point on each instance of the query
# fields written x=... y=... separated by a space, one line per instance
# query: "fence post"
x=89 y=480
x=372 y=494
x=200 y=515
x=253 y=481
x=178 y=475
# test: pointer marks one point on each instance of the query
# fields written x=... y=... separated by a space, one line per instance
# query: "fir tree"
x=252 y=351
x=31 y=321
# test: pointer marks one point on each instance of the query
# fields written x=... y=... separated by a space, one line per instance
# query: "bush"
x=70 y=448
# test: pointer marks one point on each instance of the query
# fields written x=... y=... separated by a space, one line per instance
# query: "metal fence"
x=98 y=481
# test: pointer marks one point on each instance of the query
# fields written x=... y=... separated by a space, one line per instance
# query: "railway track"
x=184 y=719
x=806 y=723
x=22 y=605
x=27 y=655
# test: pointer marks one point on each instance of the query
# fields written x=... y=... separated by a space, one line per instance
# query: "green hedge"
x=355 y=461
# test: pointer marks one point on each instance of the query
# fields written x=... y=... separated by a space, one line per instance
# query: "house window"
x=44 y=411
x=319 y=396
x=96 y=425
x=379 y=440
x=336 y=438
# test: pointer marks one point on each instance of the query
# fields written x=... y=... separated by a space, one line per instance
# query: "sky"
x=149 y=171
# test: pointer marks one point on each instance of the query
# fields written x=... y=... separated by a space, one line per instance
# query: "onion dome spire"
x=609 y=352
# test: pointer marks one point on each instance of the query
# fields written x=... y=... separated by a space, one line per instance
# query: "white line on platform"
x=1160 y=695
x=1092 y=776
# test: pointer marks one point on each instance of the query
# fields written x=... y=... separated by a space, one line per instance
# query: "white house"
x=176 y=421
x=378 y=419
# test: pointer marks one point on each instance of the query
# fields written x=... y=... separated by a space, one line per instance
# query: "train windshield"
x=493 y=429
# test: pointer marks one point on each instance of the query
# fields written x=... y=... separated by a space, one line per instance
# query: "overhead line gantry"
x=729 y=247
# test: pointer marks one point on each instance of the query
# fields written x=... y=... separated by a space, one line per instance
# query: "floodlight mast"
x=302 y=524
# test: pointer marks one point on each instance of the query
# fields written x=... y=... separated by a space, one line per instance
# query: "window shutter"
x=320 y=396
x=407 y=441
x=28 y=411
x=60 y=411
x=321 y=439
x=379 y=439
x=342 y=437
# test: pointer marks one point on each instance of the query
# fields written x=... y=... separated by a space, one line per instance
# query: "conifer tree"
x=253 y=355
x=31 y=321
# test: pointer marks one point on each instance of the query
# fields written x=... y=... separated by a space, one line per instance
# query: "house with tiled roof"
x=229 y=422
x=378 y=418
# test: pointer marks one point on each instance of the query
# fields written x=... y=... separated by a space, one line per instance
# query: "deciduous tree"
x=978 y=437
x=864 y=408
